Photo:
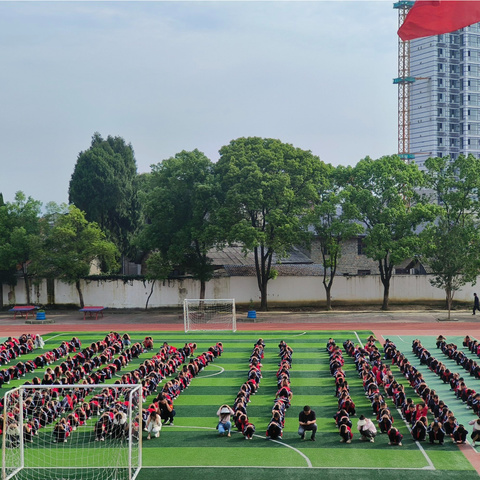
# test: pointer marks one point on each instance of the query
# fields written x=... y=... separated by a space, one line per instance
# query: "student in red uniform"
x=346 y=433
x=394 y=437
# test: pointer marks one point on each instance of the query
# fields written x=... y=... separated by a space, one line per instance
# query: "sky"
x=178 y=75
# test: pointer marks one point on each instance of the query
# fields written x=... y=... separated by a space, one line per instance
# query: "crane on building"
x=404 y=81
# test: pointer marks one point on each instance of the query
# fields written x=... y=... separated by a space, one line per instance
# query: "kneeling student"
x=395 y=437
x=346 y=433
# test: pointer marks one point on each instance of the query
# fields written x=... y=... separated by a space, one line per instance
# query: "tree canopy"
x=266 y=188
x=104 y=186
x=72 y=244
x=451 y=245
x=383 y=196
x=20 y=241
x=180 y=206
x=332 y=225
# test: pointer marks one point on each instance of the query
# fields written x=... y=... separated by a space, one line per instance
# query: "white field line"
x=307 y=460
x=309 y=463
x=430 y=465
x=292 y=468
x=401 y=339
x=299 y=334
x=424 y=453
x=358 y=338
x=55 y=336
x=212 y=374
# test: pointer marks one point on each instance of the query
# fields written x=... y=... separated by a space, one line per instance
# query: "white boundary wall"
x=282 y=290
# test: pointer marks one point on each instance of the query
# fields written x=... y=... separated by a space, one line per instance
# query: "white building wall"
x=287 y=291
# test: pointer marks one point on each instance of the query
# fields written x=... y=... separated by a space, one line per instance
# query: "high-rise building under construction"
x=444 y=103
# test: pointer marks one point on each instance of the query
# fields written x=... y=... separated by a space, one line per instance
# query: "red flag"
x=434 y=17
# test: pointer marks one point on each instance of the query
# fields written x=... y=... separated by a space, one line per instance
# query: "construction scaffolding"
x=404 y=80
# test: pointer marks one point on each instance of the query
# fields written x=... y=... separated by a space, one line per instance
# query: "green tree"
x=267 y=187
x=20 y=241
x=332 y=225
x=383 y=196
x=104 y=186
x=158 y=268
x=450 y=246
x=179 y=202
x=72 y=244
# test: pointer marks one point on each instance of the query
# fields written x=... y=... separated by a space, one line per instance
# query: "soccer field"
x=192 y=448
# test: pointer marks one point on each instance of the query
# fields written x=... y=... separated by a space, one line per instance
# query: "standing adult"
x=307 y=421
x=476 y=304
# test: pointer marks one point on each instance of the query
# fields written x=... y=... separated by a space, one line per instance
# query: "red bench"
x=91 y=311
x=22 y=310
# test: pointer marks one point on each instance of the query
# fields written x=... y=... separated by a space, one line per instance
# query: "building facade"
x=445 y=96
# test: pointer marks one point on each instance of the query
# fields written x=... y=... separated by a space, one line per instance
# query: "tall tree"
x=71 y=245
x=20 y=241
x=179 y=205
x=158 y=268
x=267 y=187
x=104 y=186
x=383 y=195
x=332 y=225
x=451 y=245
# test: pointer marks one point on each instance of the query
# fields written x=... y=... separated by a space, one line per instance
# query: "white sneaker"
x=473 y=444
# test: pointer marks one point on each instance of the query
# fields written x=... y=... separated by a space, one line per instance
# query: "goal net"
x=209 y=314
x=72 y=432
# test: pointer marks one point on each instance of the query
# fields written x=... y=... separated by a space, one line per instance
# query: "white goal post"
x=209 y=314
x=50 y=434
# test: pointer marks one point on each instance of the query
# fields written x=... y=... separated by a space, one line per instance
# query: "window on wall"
x=363 y=272
x=361 y=246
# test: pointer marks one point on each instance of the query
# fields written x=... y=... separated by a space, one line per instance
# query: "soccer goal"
x=209 y=314
x=49 y=434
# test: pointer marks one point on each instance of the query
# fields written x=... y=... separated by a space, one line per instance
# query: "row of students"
x=284 y=393
x=444 y=423
x=44 y=407
x=19 y=370
x=14 y=347
x=163 y=402
x=342 y=417
x=250 y=387
x=452 y=352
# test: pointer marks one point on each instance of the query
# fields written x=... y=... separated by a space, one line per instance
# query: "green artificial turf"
x=192 y=448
